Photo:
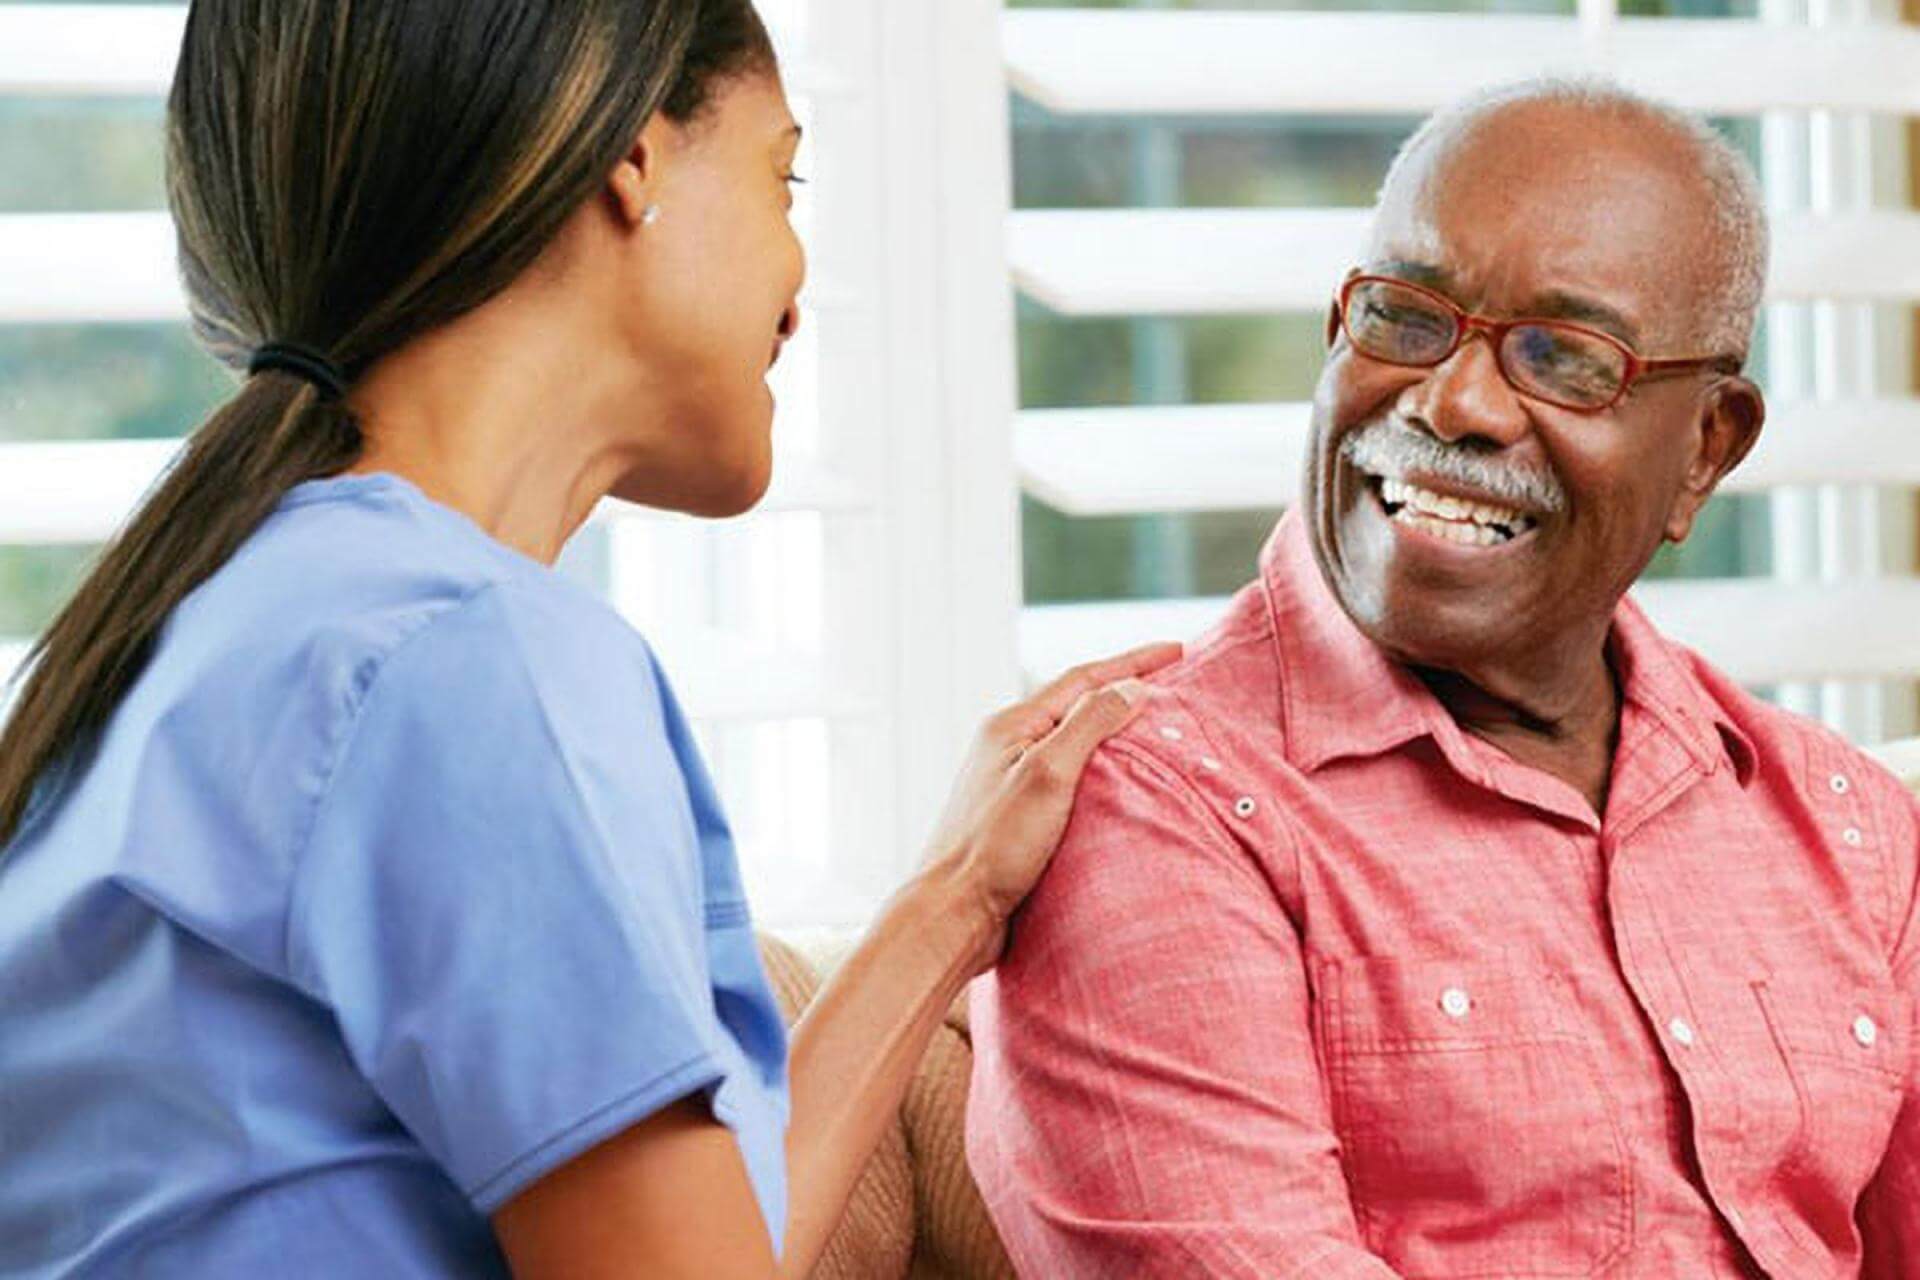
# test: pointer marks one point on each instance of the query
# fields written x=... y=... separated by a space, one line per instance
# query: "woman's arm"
x=670 y=1197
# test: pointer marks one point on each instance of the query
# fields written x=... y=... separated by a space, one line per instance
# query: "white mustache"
x=1389 y=447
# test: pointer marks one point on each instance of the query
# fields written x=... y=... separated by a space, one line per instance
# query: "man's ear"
x=634 y=185
x=1728 y=428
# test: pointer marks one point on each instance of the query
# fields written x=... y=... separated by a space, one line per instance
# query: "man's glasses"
x=1562 y=363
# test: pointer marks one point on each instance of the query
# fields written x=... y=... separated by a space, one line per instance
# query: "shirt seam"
x=1193 y=670
x=728 y=913
x=1225 y=844
x=686 y=1069
x=578 y=793
x=368 y=685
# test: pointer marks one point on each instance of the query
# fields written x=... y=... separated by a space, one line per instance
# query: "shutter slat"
x=1759 y=631
x=1148 y=460
x=78 y=493
x=1103 y=462
x=105 y=268
x=71 y=50
x=129 y=50
x=1120 y=62
x=1241 y=261
x=720 y=680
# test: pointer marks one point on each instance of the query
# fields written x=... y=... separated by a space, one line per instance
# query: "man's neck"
x=1566 y=724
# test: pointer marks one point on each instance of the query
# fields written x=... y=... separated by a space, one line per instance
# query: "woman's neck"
x=493 y=416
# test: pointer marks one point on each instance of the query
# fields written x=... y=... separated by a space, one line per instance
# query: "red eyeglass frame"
x=1467 y=323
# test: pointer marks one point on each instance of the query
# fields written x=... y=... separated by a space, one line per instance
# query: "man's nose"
x=1467 y=397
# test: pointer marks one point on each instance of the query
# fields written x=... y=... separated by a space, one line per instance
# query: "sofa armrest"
x=875 y=1238
x=949 y=1235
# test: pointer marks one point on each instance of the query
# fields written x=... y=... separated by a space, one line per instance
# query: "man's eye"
x=1401 y=317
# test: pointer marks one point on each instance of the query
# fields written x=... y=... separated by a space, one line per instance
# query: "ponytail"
x=348 y=174
x=277 y=432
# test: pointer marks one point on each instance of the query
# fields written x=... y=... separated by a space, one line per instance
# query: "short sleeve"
x=501 y=897
x=1146 y=1098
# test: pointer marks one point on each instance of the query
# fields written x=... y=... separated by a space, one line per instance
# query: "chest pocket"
x=1476 y=1129
x=1843 y=1052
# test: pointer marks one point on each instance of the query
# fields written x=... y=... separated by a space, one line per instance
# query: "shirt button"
x=1682 y=1031
x=1866 y=1030
x=1455 y=1003
x=1209 y=764
x=1839 y=784
x=1245 y=806
x=1853 y=837
x=1171 y=734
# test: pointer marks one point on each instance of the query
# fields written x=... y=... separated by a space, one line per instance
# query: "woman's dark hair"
x=345 y=175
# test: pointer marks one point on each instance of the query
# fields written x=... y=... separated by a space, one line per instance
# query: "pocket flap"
x=1387 y=1005
x=1868 y=1026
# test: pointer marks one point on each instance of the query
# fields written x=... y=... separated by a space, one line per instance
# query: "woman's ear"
x=633 y=188
x=1729 y=425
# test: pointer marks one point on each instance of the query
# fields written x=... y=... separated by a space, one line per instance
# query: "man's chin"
x=1425 y=624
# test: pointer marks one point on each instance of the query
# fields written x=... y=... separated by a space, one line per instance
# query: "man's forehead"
x=1512 y=214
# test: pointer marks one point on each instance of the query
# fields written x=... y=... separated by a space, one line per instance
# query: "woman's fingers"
x=1015 y=793
x=1057 y=698
x=1010 y=843
x=1097 y=716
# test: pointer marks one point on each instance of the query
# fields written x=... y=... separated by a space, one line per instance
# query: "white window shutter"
x=1826 y=430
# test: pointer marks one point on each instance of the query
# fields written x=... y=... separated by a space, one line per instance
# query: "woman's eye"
x=796 y=179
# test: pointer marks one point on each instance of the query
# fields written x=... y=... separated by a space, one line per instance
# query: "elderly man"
x=1439 y=917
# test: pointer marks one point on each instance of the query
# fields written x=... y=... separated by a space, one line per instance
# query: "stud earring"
x=651 y=215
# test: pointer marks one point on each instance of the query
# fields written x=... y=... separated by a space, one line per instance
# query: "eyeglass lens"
x=1559 y=363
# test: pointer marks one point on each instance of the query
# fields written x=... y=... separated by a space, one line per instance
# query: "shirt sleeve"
x=1889 y=1211
x=1146 y=1100
x=500 y=898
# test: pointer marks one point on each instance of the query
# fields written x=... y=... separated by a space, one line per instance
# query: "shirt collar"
x=1341 y=695
x=1657 y=676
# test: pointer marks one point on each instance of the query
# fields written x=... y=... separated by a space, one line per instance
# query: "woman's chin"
x=718 y=492
x=736 y=499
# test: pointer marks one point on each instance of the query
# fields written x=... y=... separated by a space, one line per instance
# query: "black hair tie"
x=302 y=362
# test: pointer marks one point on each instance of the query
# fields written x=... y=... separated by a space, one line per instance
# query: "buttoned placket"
x=1665 y=776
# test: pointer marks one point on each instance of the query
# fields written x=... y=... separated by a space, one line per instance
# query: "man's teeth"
x=1455 y=519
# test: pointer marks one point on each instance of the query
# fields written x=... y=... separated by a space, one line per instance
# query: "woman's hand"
x=1010 y=805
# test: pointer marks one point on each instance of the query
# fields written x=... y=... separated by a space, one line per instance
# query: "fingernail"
x=1134 y=691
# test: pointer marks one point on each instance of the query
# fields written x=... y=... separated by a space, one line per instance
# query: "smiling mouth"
x=1465 y=521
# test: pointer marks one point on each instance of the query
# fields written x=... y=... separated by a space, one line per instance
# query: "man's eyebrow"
x=1420 y=273
x=1555 y=305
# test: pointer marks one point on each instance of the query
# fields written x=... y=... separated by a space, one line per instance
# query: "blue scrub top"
x=395 y=883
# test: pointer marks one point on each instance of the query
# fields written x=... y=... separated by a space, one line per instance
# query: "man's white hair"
x=1740 y=240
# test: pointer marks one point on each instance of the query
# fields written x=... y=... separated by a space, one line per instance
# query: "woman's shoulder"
x=356 y=589
x=347 y=571
x=266 y=680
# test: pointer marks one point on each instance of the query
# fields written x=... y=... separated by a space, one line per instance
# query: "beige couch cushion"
x=875 y=1239
x=916 y=1211
x=955 y=1238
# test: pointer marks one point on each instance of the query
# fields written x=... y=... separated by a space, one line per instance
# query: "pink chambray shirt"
x=1319 y=985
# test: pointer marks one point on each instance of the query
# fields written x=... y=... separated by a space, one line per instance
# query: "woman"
x=365 y=905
